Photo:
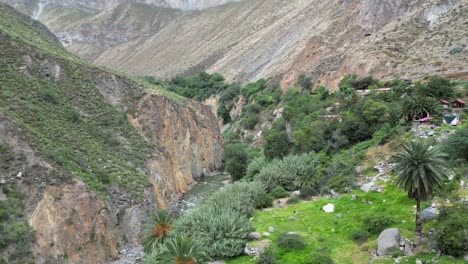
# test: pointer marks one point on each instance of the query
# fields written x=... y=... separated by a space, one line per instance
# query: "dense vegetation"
x=314 y=145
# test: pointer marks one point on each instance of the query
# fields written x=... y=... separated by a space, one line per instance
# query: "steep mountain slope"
x=276 y=39
x=90 y=152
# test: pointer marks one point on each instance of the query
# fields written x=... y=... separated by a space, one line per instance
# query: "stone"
x=254 y=236
x=418 y=261
x=271 y=229
x=387 y=240
x=429 y=213
x=353 y=197
x=339 y=215
x=296 y=194
x=217 y=262
x=2 y=181
x=430 y=133
x=360 y=169
x=20 y=174
x=367 y=187
x=328 y=208
x=266 y=234
x=292 y=218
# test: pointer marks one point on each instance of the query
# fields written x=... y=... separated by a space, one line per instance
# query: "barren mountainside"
x=277 y=39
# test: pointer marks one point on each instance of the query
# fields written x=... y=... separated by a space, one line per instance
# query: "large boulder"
x=429 y=213
x=387 y=240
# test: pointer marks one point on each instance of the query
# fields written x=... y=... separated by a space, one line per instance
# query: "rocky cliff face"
x=36 y=7
x=75 y=131
x=278 y=39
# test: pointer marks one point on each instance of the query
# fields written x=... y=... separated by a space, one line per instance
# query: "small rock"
x=418 y=261
x=369 y=202
x=296 y=194
x=367 y=187
x=328 y=208
x=292 y=233
x=20 y=174
x=429 y=213
x=292 y=218
x=266 y=234
x=271 y=229
x=431 y=133
x=338 y=216
x=359 y=169
x=2 y=181
x=254 y=236
x=353 y=197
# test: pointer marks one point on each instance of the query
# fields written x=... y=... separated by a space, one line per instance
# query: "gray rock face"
x=388 y=239
x=429 y=213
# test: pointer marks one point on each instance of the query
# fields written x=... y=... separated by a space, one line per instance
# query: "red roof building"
x=459 y=103
x=444 y=102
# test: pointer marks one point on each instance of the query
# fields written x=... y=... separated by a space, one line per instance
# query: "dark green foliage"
x=304 y=82
x=198 y=87
x=249 y=121
x=377 y=223
x=359 y=236
x=419 y=107
x=451 y=230
x=293 y=200
x=276 y=145
x=437 y=87
x=155 y=231
x=279 y=192
x=264 y=200
x=180 y=250
x=318 y=258
x=236 y=160
x=291 y=241
x=457 y=144
x=252 y=88
x=268 y=256
x=49 y=95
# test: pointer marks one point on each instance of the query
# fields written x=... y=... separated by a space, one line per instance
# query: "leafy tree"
x=276 y=144
x=304 y=82
x=451 y=231
x=178 y=250
x=236 y=160
x=374 y=111
x=156 y=230
x=420 y=168
x=439 y=88
x=419 y=107
x=457 y=144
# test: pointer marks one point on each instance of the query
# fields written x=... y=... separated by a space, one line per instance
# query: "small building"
x=459 y=103
x=451 y=119
x=445 y=104
x=424 y=120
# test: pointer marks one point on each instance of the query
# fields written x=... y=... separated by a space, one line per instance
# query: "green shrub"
x=293 y=200
x=222 y=231
x=451 y=230
x=276 y=144
x=264 y=200
x=279 y=192
x=318 y=258
x=255 y=166
x=457 y=144
x=359 y=236
x=377 y=223
x=236 y=160
x=268 y=256
x=249 y=121
x=291 y=241
x=49 y=95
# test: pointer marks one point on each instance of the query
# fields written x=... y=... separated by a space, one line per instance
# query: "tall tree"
x=420 y=168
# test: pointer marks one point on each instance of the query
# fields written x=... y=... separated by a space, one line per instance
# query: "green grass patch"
x=327 y=232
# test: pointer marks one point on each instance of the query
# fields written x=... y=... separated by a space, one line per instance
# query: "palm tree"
x=420 y=168
x=156 y=230
x=178 y=250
